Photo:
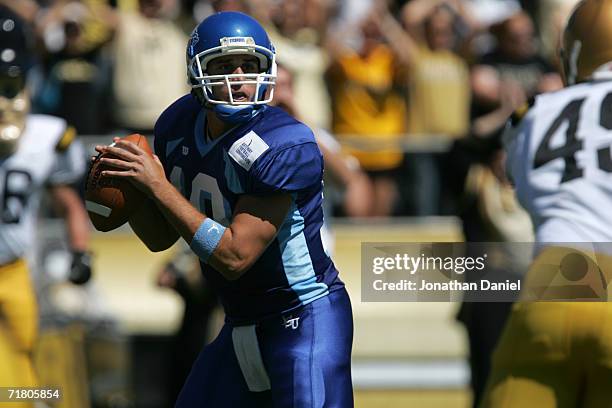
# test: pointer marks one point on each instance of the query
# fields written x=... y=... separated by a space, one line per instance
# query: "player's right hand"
x=131 y=162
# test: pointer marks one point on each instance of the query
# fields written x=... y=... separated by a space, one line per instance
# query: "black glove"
x=80 y=270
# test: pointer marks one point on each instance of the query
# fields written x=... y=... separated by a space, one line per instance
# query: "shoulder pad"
x=521 y=111
x=181 y=112
x=66 y=140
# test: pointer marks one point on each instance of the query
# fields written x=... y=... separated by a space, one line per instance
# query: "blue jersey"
x=270 y=153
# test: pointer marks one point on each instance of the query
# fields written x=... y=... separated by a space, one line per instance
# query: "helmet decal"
x=247 y=41
x=195 y=38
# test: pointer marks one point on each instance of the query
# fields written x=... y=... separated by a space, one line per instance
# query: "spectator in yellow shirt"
x=368 y=111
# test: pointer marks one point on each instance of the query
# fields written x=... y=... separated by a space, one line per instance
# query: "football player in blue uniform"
x=241 y=182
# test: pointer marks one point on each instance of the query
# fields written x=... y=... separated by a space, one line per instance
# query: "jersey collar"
x=199 y=132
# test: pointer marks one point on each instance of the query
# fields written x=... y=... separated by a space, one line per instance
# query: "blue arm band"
x=206 y=239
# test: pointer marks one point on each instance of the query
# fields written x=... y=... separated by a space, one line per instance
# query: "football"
x=110 y=201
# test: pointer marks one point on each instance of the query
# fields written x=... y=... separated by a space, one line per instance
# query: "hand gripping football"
x=111 y=201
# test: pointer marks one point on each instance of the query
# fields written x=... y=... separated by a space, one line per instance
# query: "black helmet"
x=15 y=44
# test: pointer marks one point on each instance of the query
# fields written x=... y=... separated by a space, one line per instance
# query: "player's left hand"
x=80 y=268
x=146 y=172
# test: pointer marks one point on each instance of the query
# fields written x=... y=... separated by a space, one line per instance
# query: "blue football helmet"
x=230 y=33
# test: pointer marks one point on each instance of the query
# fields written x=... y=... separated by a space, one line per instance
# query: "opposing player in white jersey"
x=559 y=354
x=36 y=152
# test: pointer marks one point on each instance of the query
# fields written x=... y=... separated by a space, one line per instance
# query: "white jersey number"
x=15 y=192
x=571 y=114
x=205 y=195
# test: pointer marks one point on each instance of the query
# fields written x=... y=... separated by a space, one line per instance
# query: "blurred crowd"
x=412 y=95
x=415 y=91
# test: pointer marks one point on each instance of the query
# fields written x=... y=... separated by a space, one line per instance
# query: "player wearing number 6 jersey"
x=246 y=194
x=559 y=354
x=36 y=152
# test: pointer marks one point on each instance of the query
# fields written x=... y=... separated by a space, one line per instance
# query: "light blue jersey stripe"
x=296 y=259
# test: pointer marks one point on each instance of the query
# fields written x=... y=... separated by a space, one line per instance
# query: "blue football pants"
x=298 y=360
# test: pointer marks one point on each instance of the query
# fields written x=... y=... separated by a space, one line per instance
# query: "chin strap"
x=228 y=113
x=235 y=114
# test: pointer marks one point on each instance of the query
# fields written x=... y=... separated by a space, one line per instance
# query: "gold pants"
x=556 y=354
x=18 y=327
